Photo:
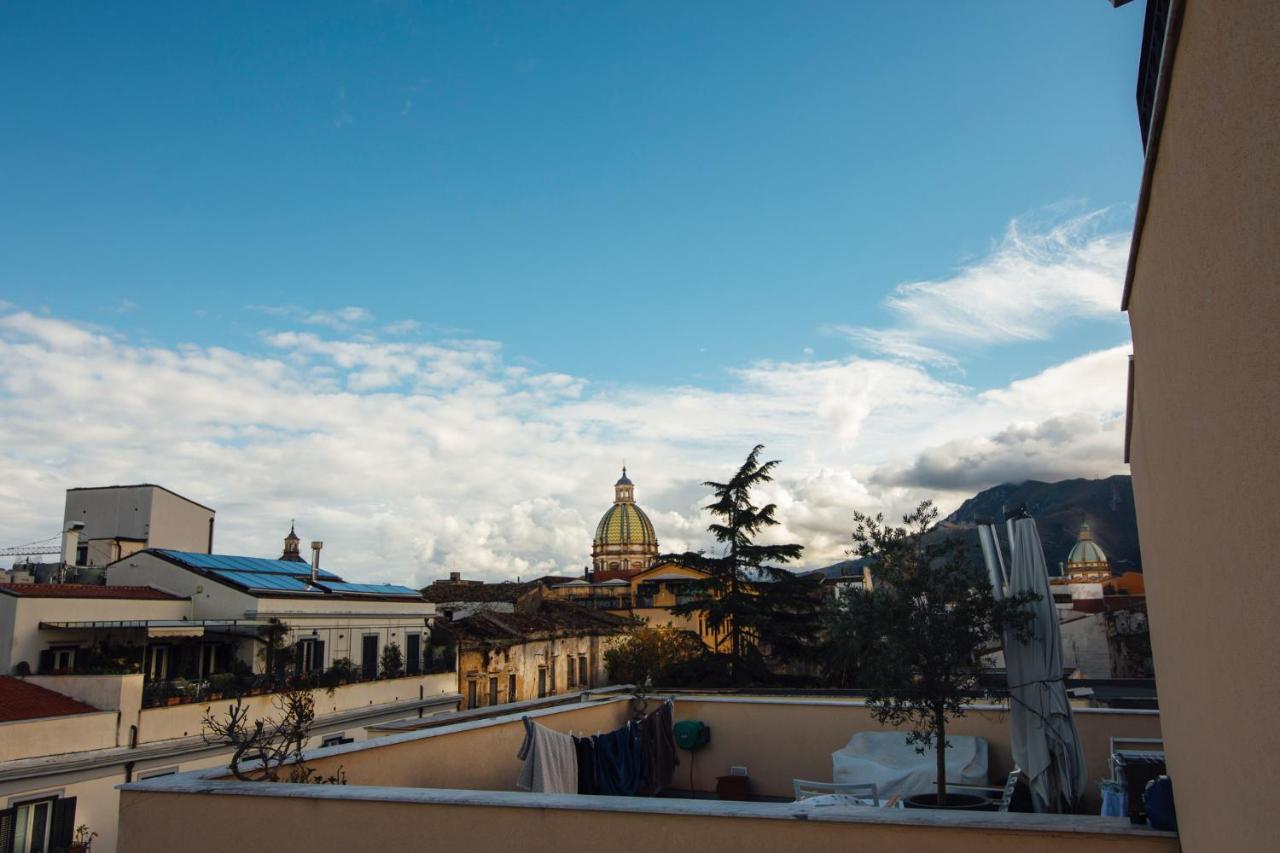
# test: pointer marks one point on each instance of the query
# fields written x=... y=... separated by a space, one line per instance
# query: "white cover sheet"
x=895 y=767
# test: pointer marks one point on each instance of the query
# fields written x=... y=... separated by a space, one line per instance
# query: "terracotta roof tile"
x=21 y=700
x=85 y=590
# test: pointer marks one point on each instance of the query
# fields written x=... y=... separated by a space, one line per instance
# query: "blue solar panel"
x=252 y=565
x=265 y=580
x=371 y=589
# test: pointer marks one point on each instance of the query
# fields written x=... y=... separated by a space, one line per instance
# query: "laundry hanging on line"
x=636 y=759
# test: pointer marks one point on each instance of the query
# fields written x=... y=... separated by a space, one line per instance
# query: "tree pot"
x=970 y=802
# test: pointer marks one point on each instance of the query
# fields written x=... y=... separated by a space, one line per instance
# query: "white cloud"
x=412 y=458
x=1033 y=281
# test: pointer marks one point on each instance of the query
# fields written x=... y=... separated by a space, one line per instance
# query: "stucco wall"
x=1205 y=309
x=152 y=822
x=57 y=735
x=477 y=757
x=779 y=740
x=26 y=640
x=163 y=723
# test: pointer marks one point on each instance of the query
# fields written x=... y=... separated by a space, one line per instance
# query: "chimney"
x=315 y=559
x=455 y=577
x=71 y=542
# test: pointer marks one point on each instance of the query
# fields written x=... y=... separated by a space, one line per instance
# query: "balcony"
x=444 y=782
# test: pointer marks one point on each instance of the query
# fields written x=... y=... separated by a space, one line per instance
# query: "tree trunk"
x=940 y=734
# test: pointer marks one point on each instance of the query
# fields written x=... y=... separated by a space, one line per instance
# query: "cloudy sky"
x=422 y=276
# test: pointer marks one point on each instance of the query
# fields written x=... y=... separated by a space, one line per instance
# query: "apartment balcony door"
x=369 y=655
x=38 y=826
x=413 y=654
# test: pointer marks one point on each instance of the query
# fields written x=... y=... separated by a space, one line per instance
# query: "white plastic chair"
x=1002 y=796
x=863 y=793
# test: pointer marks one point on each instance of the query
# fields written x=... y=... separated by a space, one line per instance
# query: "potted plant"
x=82 y=840
x=921 y=631
x=177 y=691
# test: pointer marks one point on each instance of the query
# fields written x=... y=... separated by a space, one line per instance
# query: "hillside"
x=1059 y=509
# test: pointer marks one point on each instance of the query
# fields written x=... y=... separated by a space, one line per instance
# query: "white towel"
x=551 y=766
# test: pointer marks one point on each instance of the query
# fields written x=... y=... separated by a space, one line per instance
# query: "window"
x=39 y=826
x=157 y=663
x=570 y=675
x=309 y=655
x=64 y=660
x=584 y=676
x=337 y=739
x=369 y=656
x=155 y=774
x=413 y=654
x=473 y=688
x=493 y=690
x=511 y=687
x=542 y=681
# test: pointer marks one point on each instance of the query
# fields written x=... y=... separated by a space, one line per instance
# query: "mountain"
x=1059 y=509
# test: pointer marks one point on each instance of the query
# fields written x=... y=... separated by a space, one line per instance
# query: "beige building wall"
x=1205 y=312
x=22 y=640
x=215 y=824
x=97 y=798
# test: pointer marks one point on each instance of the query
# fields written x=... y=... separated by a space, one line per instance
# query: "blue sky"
x=444 y=265
x=624 y=191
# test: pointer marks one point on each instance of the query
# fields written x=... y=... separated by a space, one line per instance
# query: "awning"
x=175 y=631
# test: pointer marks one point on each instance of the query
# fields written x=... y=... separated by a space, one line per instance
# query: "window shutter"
x=317 y=656
x=63 y=825
x=46 y=661
x=7 y=819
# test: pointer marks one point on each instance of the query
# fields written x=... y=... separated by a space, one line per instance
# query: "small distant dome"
x=1087 y=555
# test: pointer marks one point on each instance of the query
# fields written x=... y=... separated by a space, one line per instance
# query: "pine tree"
x=747 y=594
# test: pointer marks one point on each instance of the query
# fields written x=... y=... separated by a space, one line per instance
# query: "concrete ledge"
x=196 y=783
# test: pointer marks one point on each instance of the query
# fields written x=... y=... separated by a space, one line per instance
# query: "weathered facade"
x=544 y=648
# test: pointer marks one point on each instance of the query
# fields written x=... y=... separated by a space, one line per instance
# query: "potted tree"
x=922 y=631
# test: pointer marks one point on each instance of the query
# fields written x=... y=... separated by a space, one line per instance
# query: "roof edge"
x=1173 y=29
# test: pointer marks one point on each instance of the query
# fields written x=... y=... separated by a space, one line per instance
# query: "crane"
x=41 y=547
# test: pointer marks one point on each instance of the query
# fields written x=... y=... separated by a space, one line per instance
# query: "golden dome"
x=625 y=524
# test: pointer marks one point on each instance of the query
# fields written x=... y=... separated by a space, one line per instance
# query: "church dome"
x=1086 y=553
x=625 y=524
x=625 y=541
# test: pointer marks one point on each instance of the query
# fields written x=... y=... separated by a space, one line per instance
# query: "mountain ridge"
x=1058 y=508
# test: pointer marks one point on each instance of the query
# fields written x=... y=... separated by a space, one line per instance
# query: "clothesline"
x=636 y=759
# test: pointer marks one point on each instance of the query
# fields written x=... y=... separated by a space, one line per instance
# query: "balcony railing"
x=181 y=691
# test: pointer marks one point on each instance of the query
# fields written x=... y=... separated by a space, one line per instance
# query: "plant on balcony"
x=82 y=839
x=341 y=671
x=262 y=749
x=391 y=664
x=748 y=595
x=919 y=635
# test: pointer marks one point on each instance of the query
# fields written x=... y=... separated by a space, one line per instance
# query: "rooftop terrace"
x=456 y=785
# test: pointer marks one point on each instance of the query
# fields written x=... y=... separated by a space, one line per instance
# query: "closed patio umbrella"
x=1045 y=742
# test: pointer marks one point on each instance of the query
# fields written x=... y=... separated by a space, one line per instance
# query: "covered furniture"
x=886 y=760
